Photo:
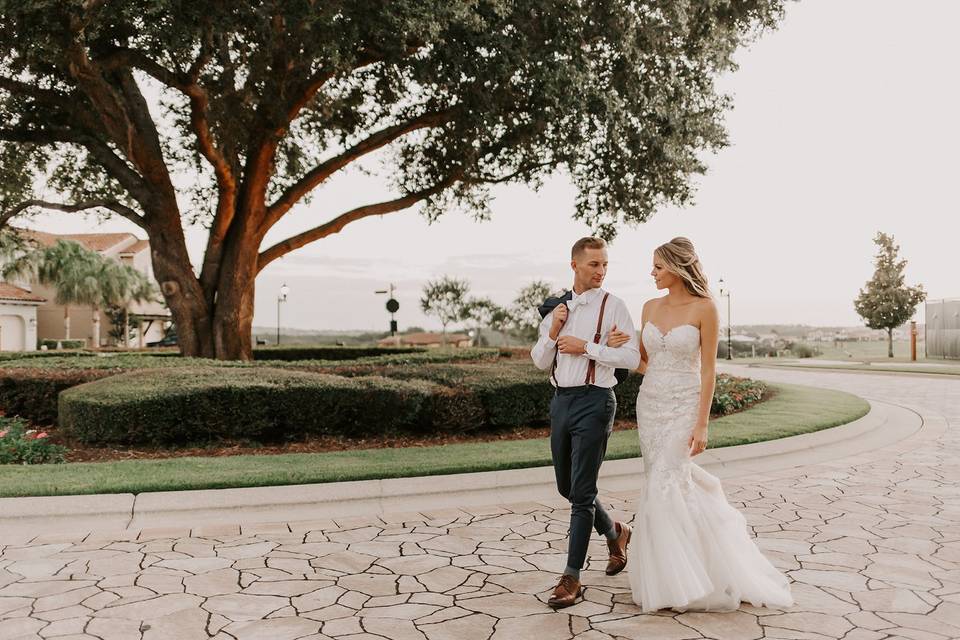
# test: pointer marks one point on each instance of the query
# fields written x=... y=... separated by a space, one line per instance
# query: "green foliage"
x=446 y=298
x=301 y=352
x=886 y=302
x=194 y=405
x=802 y=350
x=734 y=394
x=524 y=317
x=20 y=445
x=81 y=276
x=59 y=345
x=32 y=392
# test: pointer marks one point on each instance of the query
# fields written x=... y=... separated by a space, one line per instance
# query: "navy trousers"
x=581 y=420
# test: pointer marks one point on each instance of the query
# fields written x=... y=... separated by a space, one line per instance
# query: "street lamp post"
x=729 y=339
x=284 y=290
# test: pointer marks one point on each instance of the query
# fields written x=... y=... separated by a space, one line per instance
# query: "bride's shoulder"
x=707 y=309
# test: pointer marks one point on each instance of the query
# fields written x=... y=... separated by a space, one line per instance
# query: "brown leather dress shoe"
x=618 y=549
x=565 y=593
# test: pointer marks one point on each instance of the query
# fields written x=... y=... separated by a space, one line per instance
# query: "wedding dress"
x=690 y=548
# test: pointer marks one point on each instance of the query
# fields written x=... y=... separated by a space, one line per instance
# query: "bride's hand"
x=698 y=440
x=617 y=338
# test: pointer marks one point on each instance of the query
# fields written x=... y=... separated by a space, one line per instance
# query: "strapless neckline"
x=672 y=329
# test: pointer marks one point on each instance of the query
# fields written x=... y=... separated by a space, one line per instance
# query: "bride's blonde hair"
x=680 y=258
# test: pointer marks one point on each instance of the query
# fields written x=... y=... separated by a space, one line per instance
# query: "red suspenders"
x=591 y=365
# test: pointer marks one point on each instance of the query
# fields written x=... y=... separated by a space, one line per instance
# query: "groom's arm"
x=623 y=357
x=544 y=351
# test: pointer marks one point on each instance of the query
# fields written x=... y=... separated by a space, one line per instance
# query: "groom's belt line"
x=583 y=388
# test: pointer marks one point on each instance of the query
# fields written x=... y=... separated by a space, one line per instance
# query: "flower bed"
x=20 y=445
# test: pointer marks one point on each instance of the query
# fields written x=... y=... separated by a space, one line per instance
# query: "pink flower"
x=3 y=433
x=42 y=434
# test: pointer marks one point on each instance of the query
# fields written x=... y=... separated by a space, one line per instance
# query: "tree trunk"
x=889 y=342
x=66 y=322
x=182 y=291
x=126 y=328
x=233 y=315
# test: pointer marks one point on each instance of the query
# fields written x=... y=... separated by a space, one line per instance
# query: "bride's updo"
x=680 y=258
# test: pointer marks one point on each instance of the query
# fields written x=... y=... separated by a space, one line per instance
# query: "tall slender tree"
x=231 y=114
x=886 y=302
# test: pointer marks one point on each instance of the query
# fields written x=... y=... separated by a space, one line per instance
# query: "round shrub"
x=192 y=405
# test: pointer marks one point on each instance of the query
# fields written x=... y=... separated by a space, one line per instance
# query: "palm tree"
x=82 y=277
x=125 y=285
x=68 y=267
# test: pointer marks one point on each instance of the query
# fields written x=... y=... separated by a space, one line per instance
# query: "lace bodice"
x=676 y=350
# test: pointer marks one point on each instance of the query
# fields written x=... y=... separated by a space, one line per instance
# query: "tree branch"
x=113 y=205
x=337 y=224
x=324 y=170
x=115 y=166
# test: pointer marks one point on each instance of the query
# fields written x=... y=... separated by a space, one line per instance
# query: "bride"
x=691 y=550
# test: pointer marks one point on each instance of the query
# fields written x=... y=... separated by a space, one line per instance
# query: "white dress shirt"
x=582 y=323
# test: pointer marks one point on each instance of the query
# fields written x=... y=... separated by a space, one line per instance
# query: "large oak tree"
x=231 y=113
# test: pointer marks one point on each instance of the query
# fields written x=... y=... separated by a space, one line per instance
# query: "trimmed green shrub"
x=32 y=393
x=62 y=344
x=195 y=405
x=327 y=352
x=511 y=393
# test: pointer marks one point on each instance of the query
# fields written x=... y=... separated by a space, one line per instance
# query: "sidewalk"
x=867 y=528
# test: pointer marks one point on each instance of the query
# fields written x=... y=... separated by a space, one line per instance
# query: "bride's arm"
x=709 y=336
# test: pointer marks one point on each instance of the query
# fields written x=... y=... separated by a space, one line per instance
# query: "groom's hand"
x=571 y=345
x=559 y=317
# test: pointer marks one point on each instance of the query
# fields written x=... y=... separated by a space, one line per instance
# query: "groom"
x=572 y=345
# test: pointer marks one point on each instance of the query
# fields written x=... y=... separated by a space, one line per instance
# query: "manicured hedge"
x=511 y=393
x=32 y=393
x=194 y=405
x=327 y=352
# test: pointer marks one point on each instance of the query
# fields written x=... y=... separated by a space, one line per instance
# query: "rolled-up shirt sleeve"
x=623 y=357
x=544 y=351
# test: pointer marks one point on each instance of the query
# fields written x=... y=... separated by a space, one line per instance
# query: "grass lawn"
x=794 y=409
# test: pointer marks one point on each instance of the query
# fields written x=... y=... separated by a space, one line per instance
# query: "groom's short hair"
x=590 y=242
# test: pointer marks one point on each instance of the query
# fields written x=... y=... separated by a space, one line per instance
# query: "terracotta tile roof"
x=136 y=247
x=12 y=292
x=94 y=241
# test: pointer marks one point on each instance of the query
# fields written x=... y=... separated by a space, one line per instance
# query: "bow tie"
x=576 y=301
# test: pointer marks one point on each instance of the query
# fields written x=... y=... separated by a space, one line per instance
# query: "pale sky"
x=844 y=123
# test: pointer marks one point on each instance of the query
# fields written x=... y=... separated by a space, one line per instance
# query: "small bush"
x=803 y=350
x=62 y=344
x=20 y=445
x=734 y=394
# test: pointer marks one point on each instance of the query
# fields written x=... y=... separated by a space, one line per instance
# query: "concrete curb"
x=883 y=425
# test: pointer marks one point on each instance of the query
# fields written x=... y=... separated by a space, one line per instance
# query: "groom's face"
x=590 y=268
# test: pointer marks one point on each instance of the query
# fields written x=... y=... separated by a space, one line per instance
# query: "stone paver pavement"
x=871 y=543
